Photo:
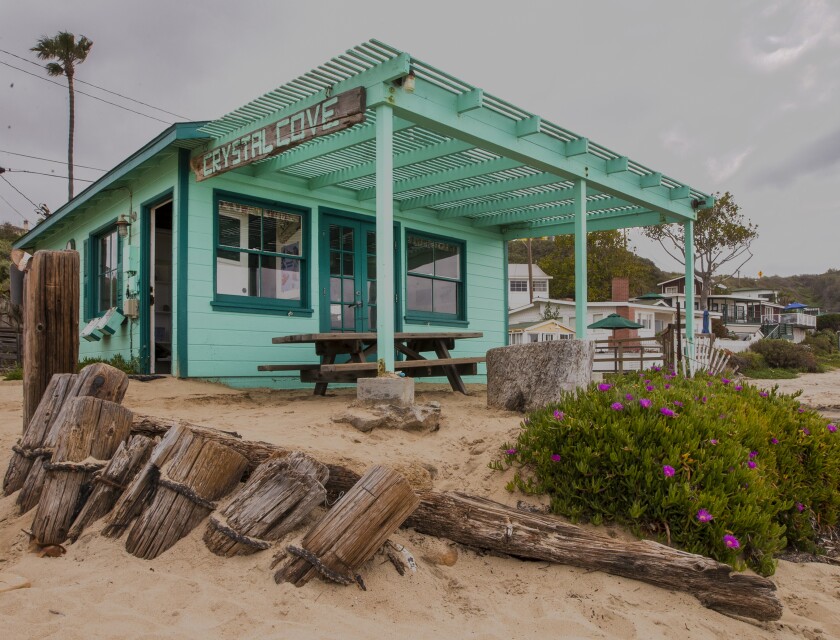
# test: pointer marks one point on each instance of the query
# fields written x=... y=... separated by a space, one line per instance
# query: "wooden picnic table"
x=359 y=347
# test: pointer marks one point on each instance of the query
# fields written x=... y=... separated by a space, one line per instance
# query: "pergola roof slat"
x=458 y=150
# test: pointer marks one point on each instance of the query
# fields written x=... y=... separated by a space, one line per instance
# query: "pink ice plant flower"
x=751 y=464
x=559 y=415
x=668 y=471
x=616 y=406
x=800 y=507
x=667 y=386
x=704 y=516
x=731 y=542
x=604 y=386
x=763 y=394
x=650 y=387
x=510 y=452
x=725 y=380
x=774 y=441
x=644 y=403
x=806 y=431
x=629 y=397
x=665 y=411
x=832 y=428
x=753 y=455
x=738 y=387
x=714 y=441
x=555 y=457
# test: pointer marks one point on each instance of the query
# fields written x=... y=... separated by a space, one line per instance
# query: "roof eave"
x=177 y=131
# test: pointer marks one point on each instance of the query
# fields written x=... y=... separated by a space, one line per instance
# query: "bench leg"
x=321 y=387
x=452 y=374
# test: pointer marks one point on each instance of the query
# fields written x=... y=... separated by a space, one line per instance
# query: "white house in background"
x=541 y=331
x=518 y=293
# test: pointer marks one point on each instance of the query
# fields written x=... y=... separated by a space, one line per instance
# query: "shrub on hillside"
x=783 y=354
x=829 y=321
x=708 y=465
x=747 y=361
x=823 y=343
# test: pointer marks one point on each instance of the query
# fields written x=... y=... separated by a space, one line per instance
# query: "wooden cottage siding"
x=159 y=177
x=229 y=345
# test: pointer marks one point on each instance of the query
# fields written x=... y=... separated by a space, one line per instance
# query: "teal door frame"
x=144 y=281
x=361 y=225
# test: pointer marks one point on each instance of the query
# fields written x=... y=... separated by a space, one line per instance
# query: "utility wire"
x=12 y=207
x=113 y=104
x=20 y=192
x=90 y=84
x=49 y=175
x=23 y=155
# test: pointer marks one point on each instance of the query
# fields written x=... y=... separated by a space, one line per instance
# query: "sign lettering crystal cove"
x=328 y=116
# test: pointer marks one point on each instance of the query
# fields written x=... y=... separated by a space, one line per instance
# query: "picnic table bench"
x=359 y=347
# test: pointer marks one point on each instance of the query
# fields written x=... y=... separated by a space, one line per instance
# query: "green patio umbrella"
x=615 y=321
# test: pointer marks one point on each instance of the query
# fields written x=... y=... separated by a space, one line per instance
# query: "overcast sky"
x=725 y=95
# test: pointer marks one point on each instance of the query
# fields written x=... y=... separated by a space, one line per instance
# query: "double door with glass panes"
x=348 y=277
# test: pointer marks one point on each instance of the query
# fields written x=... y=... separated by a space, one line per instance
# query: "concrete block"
x=385 y=390
x=525 y=377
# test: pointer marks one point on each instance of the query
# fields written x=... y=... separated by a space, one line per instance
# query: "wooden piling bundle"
x=89 y=432
x=352 y=531
x=109 y=483
x=30 y=446
x=275 y=499
x=97 y=380
x=178 y=488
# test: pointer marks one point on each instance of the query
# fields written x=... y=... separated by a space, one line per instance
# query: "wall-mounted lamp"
x=408 y=82
x=123 y=224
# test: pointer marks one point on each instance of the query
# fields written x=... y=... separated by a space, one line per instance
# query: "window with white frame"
x=519 y=285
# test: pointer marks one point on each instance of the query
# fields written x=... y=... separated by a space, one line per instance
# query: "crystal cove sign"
x=328 y=116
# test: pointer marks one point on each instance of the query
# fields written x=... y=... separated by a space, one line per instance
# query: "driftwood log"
x=109 y=483
x=276 y=498
x=89 y=432
x=50 y=323
x=29 y=448
x=352 y=531
x=97 y=380
x=197 y=472
x=715 y=584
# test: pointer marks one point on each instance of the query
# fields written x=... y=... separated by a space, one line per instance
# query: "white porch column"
x=688 y=228
x=385 y=234
x=581 y=285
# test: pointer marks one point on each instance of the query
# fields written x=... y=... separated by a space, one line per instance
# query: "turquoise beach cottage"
x=374 y=193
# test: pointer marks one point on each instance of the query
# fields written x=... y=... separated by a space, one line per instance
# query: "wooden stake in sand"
x=276 y=498
x=109 y=483
x=97 y=380
x=353 y=530
x=50 y=323
x=29 y=448
x=198 y=472
x=89 y=432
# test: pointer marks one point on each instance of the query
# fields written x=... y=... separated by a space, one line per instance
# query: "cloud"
x=677 y=141
x=816 y=157
x=724 y=167
x=785 y=32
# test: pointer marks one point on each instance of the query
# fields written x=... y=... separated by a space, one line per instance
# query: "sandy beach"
x=98 y=590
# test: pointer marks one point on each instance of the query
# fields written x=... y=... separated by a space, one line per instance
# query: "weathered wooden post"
x=50 y=323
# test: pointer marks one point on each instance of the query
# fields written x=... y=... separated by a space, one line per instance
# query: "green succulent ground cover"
x=712 y=466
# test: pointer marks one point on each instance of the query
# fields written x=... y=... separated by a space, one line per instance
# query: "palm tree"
x=68 y=52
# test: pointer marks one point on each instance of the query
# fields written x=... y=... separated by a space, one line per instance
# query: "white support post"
x=581 y=286
x=688 y=228
x=385 y=297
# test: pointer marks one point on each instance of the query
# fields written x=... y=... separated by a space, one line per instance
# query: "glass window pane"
x=282 y=232
x=232 y=273
x=447 y=260
x=371 y=292
x=371 y=267
x=445 y=297
x=371 y=242
x=349 y=315
x=418 y=294
x=347 y=269
x=349 y=289
x=335 y=289
x=420 y=255
x=335 y=264
x=254 y=224
x=347 y=238
x=229 y=236
x=280 y=278
x=335 y=236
